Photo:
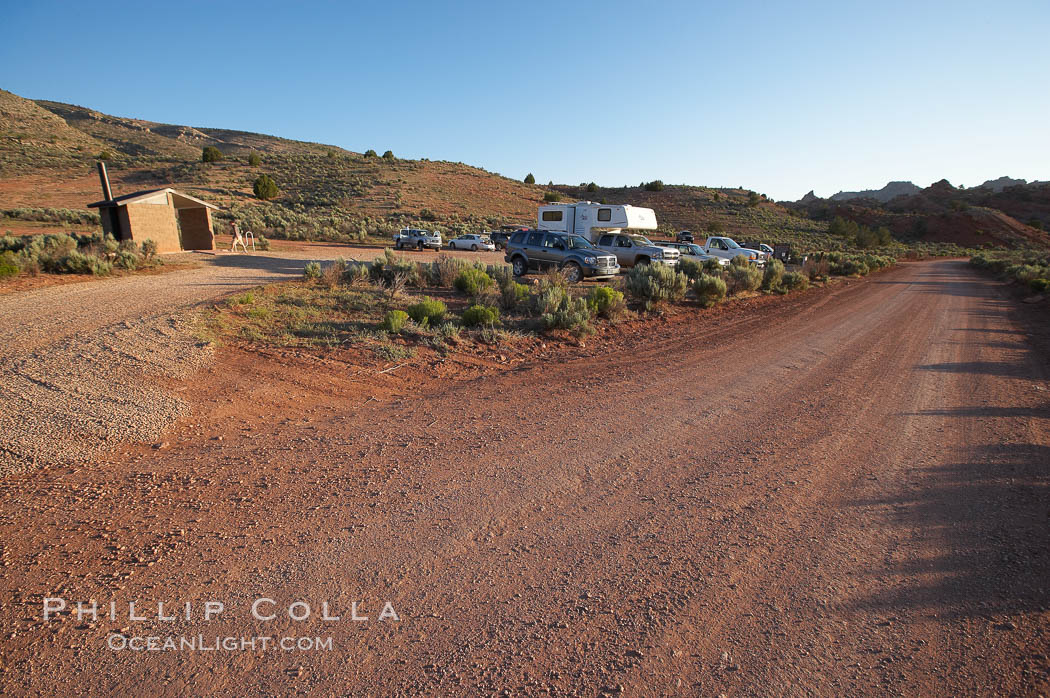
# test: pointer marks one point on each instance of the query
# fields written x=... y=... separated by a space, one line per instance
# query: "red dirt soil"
x=841 y=492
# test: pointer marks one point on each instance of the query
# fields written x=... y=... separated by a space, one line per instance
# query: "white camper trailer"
x=589 y=219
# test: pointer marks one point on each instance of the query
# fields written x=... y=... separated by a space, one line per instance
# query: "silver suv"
x=536 y=250
x=414 y=237
x=631 y=249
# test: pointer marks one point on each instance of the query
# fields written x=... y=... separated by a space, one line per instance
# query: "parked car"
x=472 y=241
x=683 y=236
x=760 y=246
x=695 y=252
x=631 y=249
x=419 y=239
x=499 y=239
x=727 y=248
x=536 y=250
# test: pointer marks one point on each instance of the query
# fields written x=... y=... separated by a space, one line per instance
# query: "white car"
x=472 y=241
x=693 y=251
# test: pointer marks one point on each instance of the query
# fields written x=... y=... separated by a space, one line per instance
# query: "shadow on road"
x=987 y=514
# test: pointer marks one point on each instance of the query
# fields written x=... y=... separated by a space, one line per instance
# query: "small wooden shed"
x=172 y=220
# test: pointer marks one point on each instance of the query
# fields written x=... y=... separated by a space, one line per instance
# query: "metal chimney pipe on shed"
x=104 y=178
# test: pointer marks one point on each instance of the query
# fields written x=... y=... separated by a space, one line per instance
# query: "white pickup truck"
x=726 y=248
x=419 y=239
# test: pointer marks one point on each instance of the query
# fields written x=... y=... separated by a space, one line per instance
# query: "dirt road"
x=84 y=359
x=841 y=493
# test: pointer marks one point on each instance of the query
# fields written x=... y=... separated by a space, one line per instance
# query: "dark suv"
x=536 y=250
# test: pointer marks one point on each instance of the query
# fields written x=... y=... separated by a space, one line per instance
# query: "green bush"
x=652 y=283
x=9 y=265
x=370 y=153
x=795 y=281
x=574 y=314
x=393 y=269
x=746 y=278
x=211 y=154
x=552 y=294
x=551 y=196
x=709 y=290
x=312 y=270
x=530 y=179
x=149 y=249
x=388 y=155
x=472 y=281
x=773 y=274
x=395 y=320
x=512 y=294
x=254 y=159
x=605 y=302
x=1039 y=285
x=740 y=260
x=428 y=312
x=712 y=266
x=261 y=243
x=265 y=188
x=690 y=267
x=477 y=315
x=126 y=260
x=592 y=187
x=655 y=185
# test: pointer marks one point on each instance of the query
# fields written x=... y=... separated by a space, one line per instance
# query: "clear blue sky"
x=779 y=97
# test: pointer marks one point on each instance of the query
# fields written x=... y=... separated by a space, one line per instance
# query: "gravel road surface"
x=843 y=493
x=84 y=363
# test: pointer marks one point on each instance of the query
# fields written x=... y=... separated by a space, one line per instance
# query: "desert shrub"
x=690 y=267
x=126 y=260
x=388 y=155
x=652 y=283
x=746 y=278
x=477 y=315
x=265 y=188
x=1039 y=285
x=394 y=270
x=211 y=154
x=740 y=260
x=573 y=314
x=395 y=320
x=445 y=269
x=816 y=269
x=551 y=196
x=709 y=290
x=512 y=294
x=429 y=312
x=795 y=281
x=261 y=243
x=448 y=331
x=312 y=270
x=773 y=274
x=356 y=273
x=333 y=273
x=472 y=281
x=592 y=187
x=712 y=266
x=850 y=266
x=254 y=159
x=606 y=302
x=9 y=265
x=655 y=185
x=753 y=199
x=530 y=178
x=149 y=249
x=550 y=297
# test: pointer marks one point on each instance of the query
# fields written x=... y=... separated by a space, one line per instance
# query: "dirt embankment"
x=838 y=494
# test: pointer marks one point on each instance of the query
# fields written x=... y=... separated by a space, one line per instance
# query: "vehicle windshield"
x=694 y=249
x=641 y=239
x=732 y=244
x=577 y=242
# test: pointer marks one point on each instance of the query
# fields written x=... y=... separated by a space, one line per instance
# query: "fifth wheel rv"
x=589 y=219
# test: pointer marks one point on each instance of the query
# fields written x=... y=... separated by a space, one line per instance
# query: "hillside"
x=48 y=152
x=942 y=213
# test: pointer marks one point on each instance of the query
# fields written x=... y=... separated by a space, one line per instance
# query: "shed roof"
x=181 y=200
